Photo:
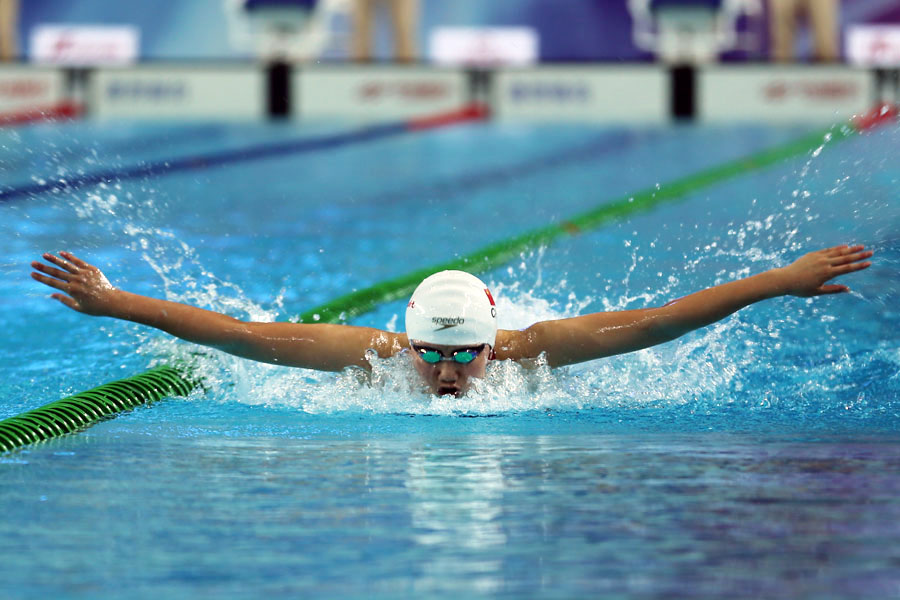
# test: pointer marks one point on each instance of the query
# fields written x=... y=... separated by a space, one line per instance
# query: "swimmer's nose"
x=447 y=373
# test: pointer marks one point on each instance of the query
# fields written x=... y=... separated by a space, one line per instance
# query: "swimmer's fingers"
x=59 y=285
x=833 y=288
x=59 y=262
x=59 y=274
x=842 y=249
x=841 y=265
x=850 y=267
x=70 y=302
x=52 y=282
x=809 y=274
x=75 y=260
x=849 y=257
x=848 y=260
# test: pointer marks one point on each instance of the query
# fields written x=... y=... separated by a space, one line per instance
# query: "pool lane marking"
x=204 y=161
x=102 y=150
x=357 y=303
x=346 y=307
x=466 y=183
x=473 y=112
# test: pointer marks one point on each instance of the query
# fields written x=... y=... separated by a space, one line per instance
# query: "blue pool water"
x=756 y=458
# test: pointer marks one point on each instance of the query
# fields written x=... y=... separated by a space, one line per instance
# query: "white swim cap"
x=452 y=308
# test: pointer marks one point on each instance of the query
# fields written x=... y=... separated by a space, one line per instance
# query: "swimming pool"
x=758 y=457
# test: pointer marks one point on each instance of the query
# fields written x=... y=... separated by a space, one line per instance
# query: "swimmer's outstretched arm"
x=324 y=347
x=579 y=339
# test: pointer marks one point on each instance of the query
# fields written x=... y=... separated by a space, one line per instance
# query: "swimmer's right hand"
x=85 y=287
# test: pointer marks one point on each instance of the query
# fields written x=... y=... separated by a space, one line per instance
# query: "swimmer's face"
x=448 y=376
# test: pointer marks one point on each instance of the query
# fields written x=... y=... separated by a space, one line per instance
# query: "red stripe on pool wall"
x=880 y=114
x=471 y=112
x=58 y=112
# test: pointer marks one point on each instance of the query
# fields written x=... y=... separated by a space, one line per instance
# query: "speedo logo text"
x=447 y=322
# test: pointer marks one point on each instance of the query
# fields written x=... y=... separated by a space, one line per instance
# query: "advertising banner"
x=590 y=93
x=483 y=46
x=84 y=45
x=772 y=93
x=377 y=93
x=873 y=45
x=26 y=88
x=180 y=92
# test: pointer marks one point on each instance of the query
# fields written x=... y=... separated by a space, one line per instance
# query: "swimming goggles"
x=463 y=356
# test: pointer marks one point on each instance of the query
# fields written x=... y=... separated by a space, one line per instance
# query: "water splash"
x=758 y=362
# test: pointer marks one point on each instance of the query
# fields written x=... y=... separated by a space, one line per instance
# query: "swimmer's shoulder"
x=386 y=343
x=515 y=344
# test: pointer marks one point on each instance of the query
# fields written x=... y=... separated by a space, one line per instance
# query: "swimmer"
x=451 y=320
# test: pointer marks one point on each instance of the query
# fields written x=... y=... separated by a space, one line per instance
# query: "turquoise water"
x=756 y=458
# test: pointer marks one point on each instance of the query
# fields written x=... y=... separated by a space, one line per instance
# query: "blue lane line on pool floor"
x=205 y=161
x=615 y=141
x=102 y=149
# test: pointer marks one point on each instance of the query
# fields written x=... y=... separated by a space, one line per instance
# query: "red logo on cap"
x=490 y=298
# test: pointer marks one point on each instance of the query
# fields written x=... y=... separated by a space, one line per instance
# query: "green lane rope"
x=352 y=305
x=82 y=410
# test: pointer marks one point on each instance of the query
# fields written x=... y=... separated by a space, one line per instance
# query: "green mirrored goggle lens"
x=462 y=356
x=431 y=356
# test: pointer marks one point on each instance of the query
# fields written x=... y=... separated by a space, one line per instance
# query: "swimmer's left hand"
x=809 y=274
x=85 y=288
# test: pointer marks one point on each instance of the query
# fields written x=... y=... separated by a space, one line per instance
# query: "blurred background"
x=636 y=61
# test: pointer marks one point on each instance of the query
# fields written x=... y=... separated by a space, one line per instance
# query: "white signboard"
x=873 y=45
x=26 y=88
x=826 y=94
x=76 y=45
x=178 y=92
x=600 y=94
x=484 y=46
x=377 y=93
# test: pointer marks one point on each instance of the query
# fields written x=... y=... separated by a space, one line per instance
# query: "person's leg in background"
x=9 y=24
x=823 y=19
x=405 y=17
x=782 y=22
x=361 y=43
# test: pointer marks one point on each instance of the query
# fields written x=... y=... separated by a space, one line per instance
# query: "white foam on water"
x=671 y=374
